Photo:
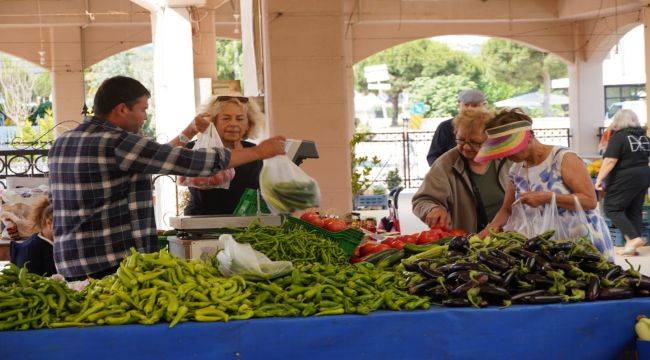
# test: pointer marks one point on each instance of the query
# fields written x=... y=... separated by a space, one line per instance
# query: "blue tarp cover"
x=598 y=330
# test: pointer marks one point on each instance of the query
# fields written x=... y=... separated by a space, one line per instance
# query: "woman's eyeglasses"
x=473 y=145
x=241 y=99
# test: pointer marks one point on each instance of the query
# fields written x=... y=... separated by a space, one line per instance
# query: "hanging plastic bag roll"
x=243 y=260
x=286 y=188
x=221 y=180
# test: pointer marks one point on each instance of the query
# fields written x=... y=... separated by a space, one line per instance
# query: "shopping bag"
x=591 y=226
x=522 y=218
x=243 y=260
x=285 y=187
x=221 y=180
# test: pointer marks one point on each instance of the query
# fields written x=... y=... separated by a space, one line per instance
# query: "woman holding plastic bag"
x=233 y=119
x=550 y=188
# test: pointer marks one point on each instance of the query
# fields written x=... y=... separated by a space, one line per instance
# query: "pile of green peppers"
x=292 y=243
x=319 y=289
x=29 y=301
x=151 y=288
x=507 y=268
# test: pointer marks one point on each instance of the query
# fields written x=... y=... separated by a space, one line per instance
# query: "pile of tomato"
x=425 y=237
x=327 y=223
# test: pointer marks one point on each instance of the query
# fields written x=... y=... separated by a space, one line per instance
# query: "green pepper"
x=334 y=311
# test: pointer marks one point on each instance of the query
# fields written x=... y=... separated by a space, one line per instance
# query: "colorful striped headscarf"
x=505 y=140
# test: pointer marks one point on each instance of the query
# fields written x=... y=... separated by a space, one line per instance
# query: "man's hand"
x=271 y=147
x=201 y=122
x=438 y=217
x=535 y=198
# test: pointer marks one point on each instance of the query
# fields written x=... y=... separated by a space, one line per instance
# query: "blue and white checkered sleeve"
x=135 y=153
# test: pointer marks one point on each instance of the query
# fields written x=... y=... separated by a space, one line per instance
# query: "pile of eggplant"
x=507 y=268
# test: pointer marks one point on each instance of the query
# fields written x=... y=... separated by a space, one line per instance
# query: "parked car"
x=638 y=106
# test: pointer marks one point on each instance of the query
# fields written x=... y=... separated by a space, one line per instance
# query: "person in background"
x=443 y=139
x=236 y=119
x=457 y=189
x=36 y=253
x=100 y=179
x=627 y=178
x=540 y=171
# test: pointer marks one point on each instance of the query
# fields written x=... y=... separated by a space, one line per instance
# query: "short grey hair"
x=253 y=113
x=624 y=118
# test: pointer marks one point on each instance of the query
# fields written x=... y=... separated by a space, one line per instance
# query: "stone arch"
x=556 y=39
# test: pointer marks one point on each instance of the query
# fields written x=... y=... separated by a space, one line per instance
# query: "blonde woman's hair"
x=624 y=118
x=41 y=212
x=472 y=118
x=253 y=113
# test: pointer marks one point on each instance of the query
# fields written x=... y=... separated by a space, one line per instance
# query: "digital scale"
x=198 y=235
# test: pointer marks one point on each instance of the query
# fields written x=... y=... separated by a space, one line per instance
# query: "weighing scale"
x=199 y=234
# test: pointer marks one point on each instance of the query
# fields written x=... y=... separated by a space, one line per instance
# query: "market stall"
x=532 y=298
x=600 y=330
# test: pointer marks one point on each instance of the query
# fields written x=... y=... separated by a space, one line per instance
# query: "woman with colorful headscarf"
x=541 y=171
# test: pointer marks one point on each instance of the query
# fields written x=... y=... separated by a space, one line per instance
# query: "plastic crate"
x=617 y=237
x=247 y=205
x=347 y=239
x=366 y=201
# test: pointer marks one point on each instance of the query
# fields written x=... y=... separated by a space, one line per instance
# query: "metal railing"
x=407 y=152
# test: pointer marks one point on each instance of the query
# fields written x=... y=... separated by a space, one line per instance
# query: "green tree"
x=393 y=179
x=229 y=59
x=420 y=58
x=527 y=69
x=439 y=94
x=43 y=85
x=136 y=63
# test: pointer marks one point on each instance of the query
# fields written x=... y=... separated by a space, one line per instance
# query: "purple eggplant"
x=539 y=280
x=517 y=298
x=613 y=272
x=462 y=302
x=461 y=290
x=544 y=299
x=420 y=288
x=493 y=262
x=503 y=256
x=594 y=289
x=459 y=243
x=615 y=293
x=494 y=292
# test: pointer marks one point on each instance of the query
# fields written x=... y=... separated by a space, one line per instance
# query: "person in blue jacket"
x=36 y=253
x=444 y=138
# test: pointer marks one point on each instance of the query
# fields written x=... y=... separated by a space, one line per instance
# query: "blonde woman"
x=236 y=119
x=627 y=177
x=458 y=190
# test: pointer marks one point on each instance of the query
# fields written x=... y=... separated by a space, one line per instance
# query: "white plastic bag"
x=285 y=187
x=534 y=221
x=519 y=221
x=221 y=180
x=243 y=260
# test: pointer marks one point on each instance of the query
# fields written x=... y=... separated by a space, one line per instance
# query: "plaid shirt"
x=101 y=188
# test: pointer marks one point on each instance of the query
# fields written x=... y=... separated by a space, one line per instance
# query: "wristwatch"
x=184 y=139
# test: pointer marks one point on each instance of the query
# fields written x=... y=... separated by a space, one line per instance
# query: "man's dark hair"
x=116 y=90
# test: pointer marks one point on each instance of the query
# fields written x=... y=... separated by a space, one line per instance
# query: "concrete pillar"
x=173 y=89
x=646 y=34
x=205 y=47
x=308 y=81
x=587 y=105
x=67 y=77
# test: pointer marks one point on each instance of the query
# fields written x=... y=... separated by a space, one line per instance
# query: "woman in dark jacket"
x=627 y=177
x=236 y=119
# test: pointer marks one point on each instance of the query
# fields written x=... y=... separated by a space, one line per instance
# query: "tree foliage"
x=439 y=94
x=17 y=82
x=416 y=59
x=229 y=59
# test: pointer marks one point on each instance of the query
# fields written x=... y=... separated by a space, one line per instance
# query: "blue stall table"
x=598 y=330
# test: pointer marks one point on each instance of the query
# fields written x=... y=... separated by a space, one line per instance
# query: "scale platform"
x=209 y=223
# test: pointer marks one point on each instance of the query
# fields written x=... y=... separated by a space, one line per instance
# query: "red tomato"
x=355 y=259
x=424 y=238
x=335 y=225
x=410 y=239
x=381 y=247
x=457 y=232
x=317 y=222
x=368 y=248
x=397 y=244
x=356 y=252
x=309 y=216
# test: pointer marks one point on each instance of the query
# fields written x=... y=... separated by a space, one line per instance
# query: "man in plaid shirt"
x=100 y=179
